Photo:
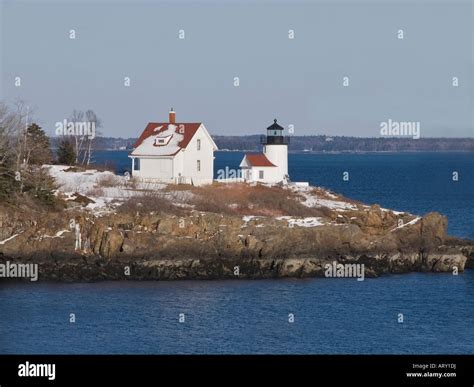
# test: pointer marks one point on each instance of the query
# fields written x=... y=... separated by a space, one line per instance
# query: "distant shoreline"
x=313 y=144
x=318 y=152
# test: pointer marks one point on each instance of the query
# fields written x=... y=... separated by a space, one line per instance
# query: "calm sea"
x=330 y=315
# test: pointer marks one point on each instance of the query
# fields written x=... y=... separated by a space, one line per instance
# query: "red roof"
x=258 y=160
x=186 y=129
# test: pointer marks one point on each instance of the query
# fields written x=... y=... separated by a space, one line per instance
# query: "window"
x=199 y=165
x=198 y=144
x=260 y=174
x=136 y=164
x=160 y=141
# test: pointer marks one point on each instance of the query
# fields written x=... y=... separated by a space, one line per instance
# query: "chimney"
x=172 y=116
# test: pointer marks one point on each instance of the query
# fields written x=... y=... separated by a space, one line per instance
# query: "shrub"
x=150 y=202
x=108 y=180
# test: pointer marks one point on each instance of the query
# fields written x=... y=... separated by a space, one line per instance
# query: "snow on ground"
x=331 y=201
x=77 y=181
x=103 y=187
x=108 y=190
x=407 y=224
x=8 y=239
x=292 y=221
x=248 y=218
x=303 y=222
x=393 y=211
x=59 y=234
x=312 y=199
x=337 y=205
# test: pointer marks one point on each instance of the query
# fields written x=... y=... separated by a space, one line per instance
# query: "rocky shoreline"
x=200 y=245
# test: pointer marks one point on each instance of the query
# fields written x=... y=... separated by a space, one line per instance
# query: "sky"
x=299 y=81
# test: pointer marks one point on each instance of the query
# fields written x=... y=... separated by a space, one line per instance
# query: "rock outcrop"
x=74 y=245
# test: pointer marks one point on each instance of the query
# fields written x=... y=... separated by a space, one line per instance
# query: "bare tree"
x=83 y=141
x=22 y=154
x=78 y=141
x=92 y=118
x=8 y=130
x=21 y=115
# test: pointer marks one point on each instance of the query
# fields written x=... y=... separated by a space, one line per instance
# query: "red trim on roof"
x=187 y=129
x=258 y=160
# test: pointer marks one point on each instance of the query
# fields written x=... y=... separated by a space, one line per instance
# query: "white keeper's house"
x=271 y=166
x=173 y=152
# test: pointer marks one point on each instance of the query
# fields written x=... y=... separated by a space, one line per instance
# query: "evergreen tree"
x=37 y=147
x=66 y=153
x=8 y=184
x=22 y=154
x=40 y=185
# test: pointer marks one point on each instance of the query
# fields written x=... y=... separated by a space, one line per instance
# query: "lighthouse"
x=271 y=166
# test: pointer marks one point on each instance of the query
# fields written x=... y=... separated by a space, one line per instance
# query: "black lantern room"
x=274 y=135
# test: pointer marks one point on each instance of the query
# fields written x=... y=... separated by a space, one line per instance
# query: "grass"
x=108 y=181
x=242 y=199
x=237 y=199
x=152 y=201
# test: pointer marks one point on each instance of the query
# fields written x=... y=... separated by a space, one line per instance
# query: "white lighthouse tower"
x=271 y=166
x=275 y=148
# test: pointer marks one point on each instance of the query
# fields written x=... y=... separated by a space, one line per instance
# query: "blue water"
x=341 y=316
x=331 y=316
x=415 y=182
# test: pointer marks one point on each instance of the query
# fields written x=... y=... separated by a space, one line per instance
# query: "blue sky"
x=299 y=81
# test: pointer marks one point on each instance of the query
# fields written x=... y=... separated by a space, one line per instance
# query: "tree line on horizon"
x=316 y=143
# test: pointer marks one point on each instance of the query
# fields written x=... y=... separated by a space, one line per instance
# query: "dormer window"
x=162 y=141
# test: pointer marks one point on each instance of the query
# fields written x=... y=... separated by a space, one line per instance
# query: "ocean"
x=395 y=314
